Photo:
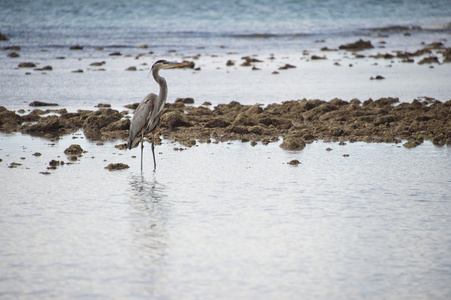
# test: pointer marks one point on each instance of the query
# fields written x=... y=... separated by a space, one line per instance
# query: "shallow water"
x=226 y=221
x=217 y=83
x=211 y=33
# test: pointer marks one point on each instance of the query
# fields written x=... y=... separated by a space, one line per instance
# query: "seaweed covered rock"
x=123 y=124
x=293 y=143
x=98 y=120
x=74 y=149
x=50 y=124
x=244 y=119
x=9 y=120
x=174 y=119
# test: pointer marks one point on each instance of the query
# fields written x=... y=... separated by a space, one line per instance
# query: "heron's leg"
x=153 y=153
x=142 y=147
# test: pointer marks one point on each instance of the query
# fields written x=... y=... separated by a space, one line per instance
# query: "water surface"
x=227 y=221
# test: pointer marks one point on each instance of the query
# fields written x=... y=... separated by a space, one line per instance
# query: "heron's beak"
x=174 y=65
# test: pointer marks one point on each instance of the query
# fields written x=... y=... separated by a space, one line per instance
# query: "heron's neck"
x=163 y=86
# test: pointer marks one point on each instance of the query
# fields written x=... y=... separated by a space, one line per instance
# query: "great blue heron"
x=147 y=115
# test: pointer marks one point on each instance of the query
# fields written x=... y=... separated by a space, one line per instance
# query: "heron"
x=147 y=115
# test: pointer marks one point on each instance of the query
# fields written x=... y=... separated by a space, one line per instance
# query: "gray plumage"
x=148 y=113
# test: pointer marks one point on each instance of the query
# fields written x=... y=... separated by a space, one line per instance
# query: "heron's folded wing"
x=139 y=120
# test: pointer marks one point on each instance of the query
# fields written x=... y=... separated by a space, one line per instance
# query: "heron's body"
x=148 y=113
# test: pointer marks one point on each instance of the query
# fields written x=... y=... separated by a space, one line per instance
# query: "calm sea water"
x=226 y=221
x=186 y=25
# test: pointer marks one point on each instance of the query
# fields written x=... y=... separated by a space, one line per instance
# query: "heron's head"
x=164 y=64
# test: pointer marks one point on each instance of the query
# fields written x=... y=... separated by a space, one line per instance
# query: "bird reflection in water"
x=149 y=211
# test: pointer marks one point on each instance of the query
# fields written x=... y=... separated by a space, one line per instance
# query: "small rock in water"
x=132 y=106
x=53 y=164
x=103 y=105
x=411 y=144
x=121 y=146
x=184 y=100
x=118 y=166
x=98 y=64
x=357 y=46
x=46 y=68
x=292 y=144
x=3 y=37
x=74 y=150
x=13 y=55
x=287 y=66
x=27 y=65
x=294 y=162
x=72 y=157
x=40 y=103
x=14 y=165
x=230 y=63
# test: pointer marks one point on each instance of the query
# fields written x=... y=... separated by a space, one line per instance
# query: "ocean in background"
x=187 y=25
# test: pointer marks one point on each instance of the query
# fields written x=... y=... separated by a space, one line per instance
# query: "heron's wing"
x=139 y=121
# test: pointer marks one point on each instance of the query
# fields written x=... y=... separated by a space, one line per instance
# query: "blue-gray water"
x=222 y=221
x=226 y=221
x=185 y=26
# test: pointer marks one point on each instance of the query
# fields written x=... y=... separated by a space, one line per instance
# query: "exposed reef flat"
x=296 y=122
